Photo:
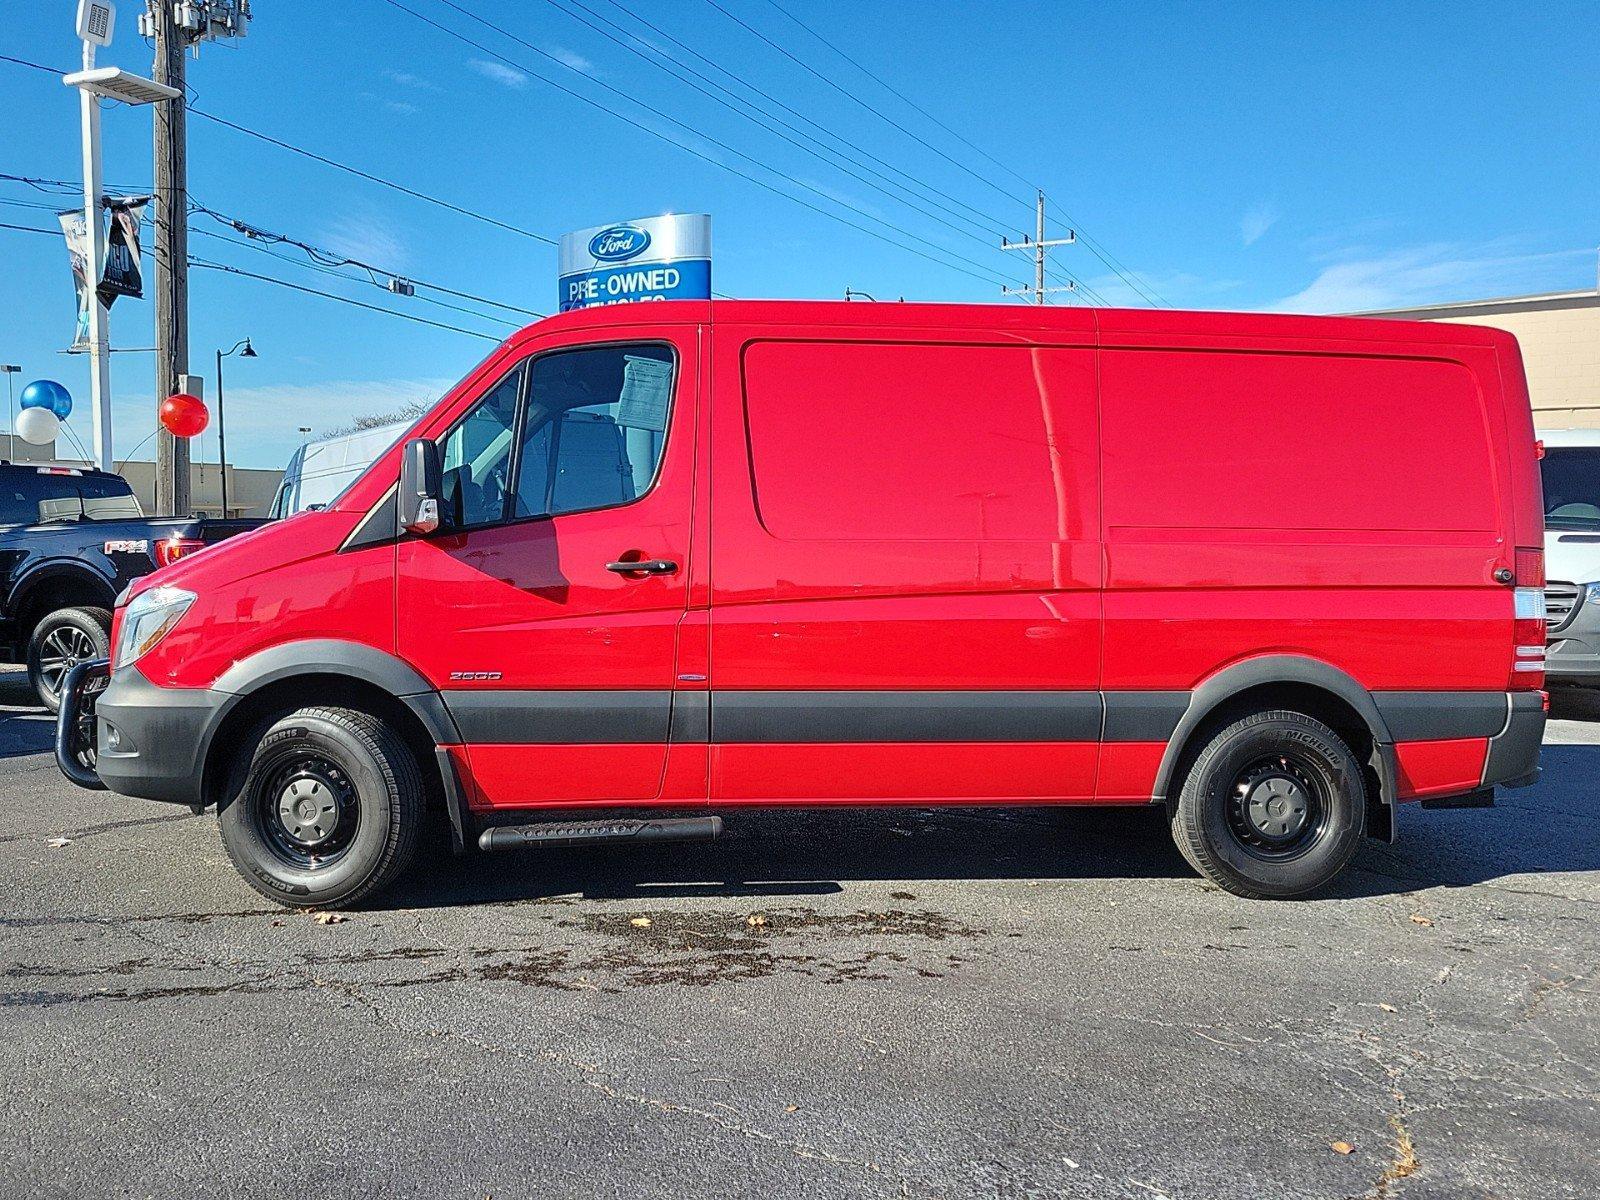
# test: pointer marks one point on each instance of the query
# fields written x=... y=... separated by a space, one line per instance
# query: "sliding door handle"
x=643 y=566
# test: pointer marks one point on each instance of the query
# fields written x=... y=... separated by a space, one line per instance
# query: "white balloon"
x=38 y=426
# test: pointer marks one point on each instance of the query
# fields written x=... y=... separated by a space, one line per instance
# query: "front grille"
x=1560 y=601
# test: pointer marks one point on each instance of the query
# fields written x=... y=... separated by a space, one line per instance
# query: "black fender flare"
x=51 y=570
x=1284 y=668
x=332 y=656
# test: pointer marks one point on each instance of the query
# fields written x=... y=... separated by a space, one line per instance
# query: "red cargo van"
x=1275 y=574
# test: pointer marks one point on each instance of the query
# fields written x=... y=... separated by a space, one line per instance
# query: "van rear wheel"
x=326 y=810
x=1274 y=806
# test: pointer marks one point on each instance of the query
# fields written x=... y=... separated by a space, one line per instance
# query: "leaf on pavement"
x=330 y=918
x=640 y=922
x=756 y=920
x=57 y=843
x=1419 y=919
x=1341 y=1147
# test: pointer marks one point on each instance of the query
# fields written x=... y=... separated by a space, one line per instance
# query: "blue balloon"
x=47 y=393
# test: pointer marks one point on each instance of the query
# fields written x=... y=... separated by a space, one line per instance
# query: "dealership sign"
x=655 y=258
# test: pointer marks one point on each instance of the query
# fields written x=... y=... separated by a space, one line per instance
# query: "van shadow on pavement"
x=1552 y=827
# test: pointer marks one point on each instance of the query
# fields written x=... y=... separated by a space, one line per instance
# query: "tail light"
x=1529 y=625
x=170 y=550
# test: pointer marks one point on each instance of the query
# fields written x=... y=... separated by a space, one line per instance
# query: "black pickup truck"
x=70 y=540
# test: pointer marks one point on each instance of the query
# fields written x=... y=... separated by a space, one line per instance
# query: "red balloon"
x=184 y=415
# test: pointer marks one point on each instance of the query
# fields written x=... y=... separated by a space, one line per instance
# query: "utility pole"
x=175 y=26
x=1038 y=245
x=171 y=254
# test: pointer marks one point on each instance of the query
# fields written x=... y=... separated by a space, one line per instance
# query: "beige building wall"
x=1560 y=339
x=250 y=491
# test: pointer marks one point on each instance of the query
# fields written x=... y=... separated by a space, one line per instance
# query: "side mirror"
x=421 y=482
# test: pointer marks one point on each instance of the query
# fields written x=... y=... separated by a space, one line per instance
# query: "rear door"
x=554 y=655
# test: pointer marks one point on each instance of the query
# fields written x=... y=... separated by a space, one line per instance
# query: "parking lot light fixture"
x=243 y=349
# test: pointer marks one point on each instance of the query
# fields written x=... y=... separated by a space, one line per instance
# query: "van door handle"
x=644 y=566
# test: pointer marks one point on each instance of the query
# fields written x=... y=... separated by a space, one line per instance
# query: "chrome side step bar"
x=593 y=833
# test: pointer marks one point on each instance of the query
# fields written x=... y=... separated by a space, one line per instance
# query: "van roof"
x=1023 y=317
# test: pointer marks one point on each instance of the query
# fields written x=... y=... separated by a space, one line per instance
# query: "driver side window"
x=476 y=456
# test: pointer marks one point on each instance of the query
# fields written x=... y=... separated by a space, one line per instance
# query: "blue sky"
x=1273 y=155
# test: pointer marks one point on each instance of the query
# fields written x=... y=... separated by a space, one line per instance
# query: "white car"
x=1571 y=471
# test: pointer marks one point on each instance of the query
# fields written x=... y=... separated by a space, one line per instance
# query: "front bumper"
x=1573 y=652
x=149 y=741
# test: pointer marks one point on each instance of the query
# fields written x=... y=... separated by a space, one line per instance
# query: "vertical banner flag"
x=78 y=250
x=120 y=275
x=653 y=258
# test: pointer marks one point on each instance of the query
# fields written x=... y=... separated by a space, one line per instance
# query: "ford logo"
x=618 y=243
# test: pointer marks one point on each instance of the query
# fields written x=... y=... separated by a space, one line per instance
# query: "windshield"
x=44 y=495
x=1571 y=487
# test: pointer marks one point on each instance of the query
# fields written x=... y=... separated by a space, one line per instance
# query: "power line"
x=371 y=178
x=22 y=62
x=211 y=266
x=986 y=226
x=337 y=274
x=203 y=264
x=331 y=259
x=1148 y=294
x=857 y=100
x=1126 y=275
x=990 y=277
x=905 y=99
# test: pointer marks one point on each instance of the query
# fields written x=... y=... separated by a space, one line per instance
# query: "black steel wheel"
x=307 y=810
x=1277 y=807
x=1273 y=806
x=324 y=808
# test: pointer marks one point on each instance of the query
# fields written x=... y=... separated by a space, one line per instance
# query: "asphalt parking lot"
x=921 y=1003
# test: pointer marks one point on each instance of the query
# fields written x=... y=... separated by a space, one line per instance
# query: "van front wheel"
x=1274 y=806
x=326 y=811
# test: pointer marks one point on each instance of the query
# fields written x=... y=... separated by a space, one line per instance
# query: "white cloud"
x=368 y=238
x=1257 y=221
x=401 y=107
x=406 y=79
x=570 y=58
x=505 y=76
x=1435 y=272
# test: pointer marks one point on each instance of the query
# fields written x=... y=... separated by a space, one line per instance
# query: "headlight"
x=149 y=618
x=1591 y=593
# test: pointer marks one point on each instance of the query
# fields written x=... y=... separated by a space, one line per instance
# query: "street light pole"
x=95 y=22
x=246 y=350
x=94 y=249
